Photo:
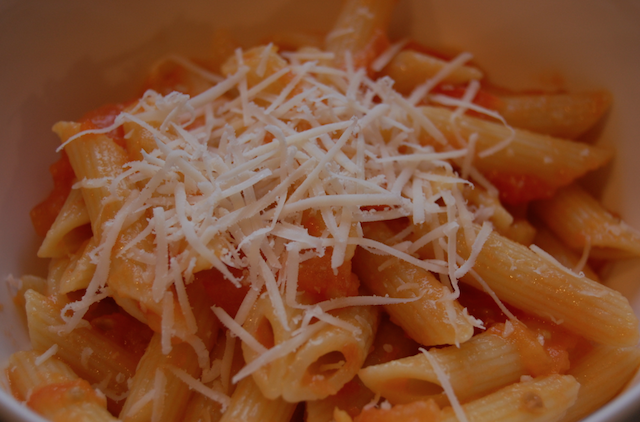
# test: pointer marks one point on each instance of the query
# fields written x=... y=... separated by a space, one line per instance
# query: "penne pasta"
x=109 y=361
x=429 y=317
x=156 y=372
x=481 y=365
x=522 y=165
x=319 y=367
x=581 y=222
x=94 y=157
x=539 y=285
x=390 y=343
x=59 y=241
x=248 y=404
x=561 y=115
x=563 y=254
x=272 y=235
x=54 y=391
x=540 y=399
x=78 y=274
x=360 y=30
x=411 y=68
x=602 y=372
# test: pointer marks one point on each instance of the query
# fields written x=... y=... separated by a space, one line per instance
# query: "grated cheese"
x=196 y=385
x=236 y=166
x=159 y=388
x=443 y=379
x=51 y=351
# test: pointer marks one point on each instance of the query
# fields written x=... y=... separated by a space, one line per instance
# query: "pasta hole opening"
x=328 y=364
x=264 y=333
x=414 y=387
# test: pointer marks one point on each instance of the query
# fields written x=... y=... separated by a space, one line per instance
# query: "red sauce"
x=558 y=342
x=481 y=306
x=103 y=117
x=550 y=358
x=124 y=330
x=316 y=277
x=62 y=396
x=376 y=45
x=44 y=214
x=518 y=189
x=318 y=280
x=347 y=398
x=223 y=292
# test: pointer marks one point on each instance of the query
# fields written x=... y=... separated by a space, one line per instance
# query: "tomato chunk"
x=318 y=279
x=223 y=292
x=104 y=117
x=44 y=214
x=516 y=189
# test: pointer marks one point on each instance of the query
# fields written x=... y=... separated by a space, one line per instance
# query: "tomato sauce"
x=376 y=45
x=544 y=347
x=223 y=292
x=44 y=214
x=320 y=282
x=124 y=330
x=104 y=117
x=516 y=189
x=316 y=277
x=62 y=396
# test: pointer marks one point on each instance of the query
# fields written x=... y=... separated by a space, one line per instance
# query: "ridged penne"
x=430 y=318
x=328 y=359
x=80 y=270
x=602 y=373
x=481 y=365
x=543 y=399
x=562 y=115
x=411 y=68
x=95 y=157
x=543 y=287
x=72 y=215
x=562 y=253
x=360 y=25
x=109 y=361
x=530 y=165
x=156 y=369
x=582 y=222
x=53 y=390
x=390 y=343
x=248 y=404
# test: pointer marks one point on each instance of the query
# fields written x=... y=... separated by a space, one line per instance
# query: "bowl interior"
x=61 y=59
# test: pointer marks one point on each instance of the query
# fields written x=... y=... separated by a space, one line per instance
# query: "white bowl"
x=60 y=59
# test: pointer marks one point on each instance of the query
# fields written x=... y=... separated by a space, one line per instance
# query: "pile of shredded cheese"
x=235 y=167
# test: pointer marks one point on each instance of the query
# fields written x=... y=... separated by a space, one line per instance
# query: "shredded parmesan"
x=51 y=351
x=159 y=387
x=547 y=257
x=196 y=385
x=237 y=167
x=443 y=379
